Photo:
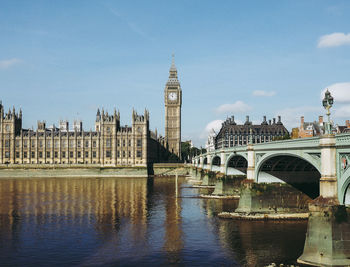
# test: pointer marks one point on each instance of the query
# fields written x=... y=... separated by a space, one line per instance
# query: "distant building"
x=77 y=125
x=109 y=144
x=232 y=134
x=189 y=142
x=310 y=129
x=173 y=103
x=317 y=128
x=64 y=126
x=343 y=129
x=210 y=144
x=295 y=133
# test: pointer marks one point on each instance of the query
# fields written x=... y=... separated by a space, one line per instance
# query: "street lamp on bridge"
x=327 y=104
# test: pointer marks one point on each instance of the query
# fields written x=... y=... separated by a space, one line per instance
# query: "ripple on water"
x=130 y=222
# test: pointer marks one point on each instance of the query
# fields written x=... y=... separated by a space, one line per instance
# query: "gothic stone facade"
x=110 y=144
x=232 y=134
x=173 y=102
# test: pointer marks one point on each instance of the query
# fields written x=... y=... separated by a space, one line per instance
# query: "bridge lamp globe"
x=327 y=103
x=324 y=102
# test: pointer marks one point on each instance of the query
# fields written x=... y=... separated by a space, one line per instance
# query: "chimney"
x=269 y=122
x=274 y=121
x=347 y=123
x=320 y=120
x=233 y=120
x=279 y=118
x=247 y=120
x=302 y=120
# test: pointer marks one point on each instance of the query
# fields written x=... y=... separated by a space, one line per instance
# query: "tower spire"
x=173 y=67
x=173 y=72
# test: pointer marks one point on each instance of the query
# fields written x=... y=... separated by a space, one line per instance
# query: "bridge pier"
x=196 y=174
x=251 y=163
x=328 y=236
x=271 y=198
x=228 y=185
x=327 y=240
x=223 y=163
x=201 y=162
x=209 y=178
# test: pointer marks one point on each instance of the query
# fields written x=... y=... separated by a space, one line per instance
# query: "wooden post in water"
x=176 y=192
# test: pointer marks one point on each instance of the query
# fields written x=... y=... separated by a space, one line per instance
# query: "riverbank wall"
x=87 y=171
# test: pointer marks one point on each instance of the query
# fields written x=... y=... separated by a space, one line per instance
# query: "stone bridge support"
x=223 y=163
x=209 y=158
x=251 y=163
x=328 y=181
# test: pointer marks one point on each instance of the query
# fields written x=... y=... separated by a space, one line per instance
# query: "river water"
x=132 y=222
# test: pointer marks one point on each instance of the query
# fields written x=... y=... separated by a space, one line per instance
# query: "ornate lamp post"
x=327 y=104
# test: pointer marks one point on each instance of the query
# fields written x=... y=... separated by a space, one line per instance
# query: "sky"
x=61 y=60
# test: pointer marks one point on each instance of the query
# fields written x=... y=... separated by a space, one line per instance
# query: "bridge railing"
x=342 y=139
x=310 y=142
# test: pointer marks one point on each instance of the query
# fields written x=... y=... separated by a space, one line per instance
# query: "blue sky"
x=63 y=59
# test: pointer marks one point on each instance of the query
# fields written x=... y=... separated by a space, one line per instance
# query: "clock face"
x=172 y=96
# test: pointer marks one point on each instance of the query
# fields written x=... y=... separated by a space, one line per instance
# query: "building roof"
x=265 y=128
x=315 y=126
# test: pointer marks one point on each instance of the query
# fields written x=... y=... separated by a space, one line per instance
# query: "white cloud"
x=342 y=112
x=334 y=39
x=340 y=92
x=263 y=93
x=213 y=125
x=237 y=107
x=7 y=63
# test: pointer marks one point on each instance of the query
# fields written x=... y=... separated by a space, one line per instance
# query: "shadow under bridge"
x=292 y=170
x=215 y=164
x=237 y=165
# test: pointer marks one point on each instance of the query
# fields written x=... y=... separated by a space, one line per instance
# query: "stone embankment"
x=89 y=171
x=72 y=171
x=219 y=196
x=281 y=265
x=170 y=169
x=264 y=216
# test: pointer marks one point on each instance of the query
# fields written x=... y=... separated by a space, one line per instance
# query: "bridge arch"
x=236 y=163
x=344 y=193
x=301 y=171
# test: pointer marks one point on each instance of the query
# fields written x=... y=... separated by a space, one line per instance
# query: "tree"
x=188 y=152
x=284 y=137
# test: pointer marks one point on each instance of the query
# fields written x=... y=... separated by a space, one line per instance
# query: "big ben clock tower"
x=173 y=102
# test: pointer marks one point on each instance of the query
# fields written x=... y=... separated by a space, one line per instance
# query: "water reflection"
x=257 y=243
x=98 y=222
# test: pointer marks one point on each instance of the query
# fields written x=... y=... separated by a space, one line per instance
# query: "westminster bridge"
x=322 y=161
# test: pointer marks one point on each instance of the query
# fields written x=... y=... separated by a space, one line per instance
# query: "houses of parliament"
x=110 y=144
